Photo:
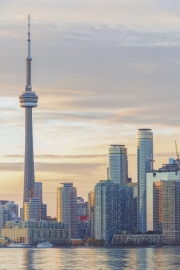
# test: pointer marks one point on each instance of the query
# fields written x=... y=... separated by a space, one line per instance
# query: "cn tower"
x=28 y=100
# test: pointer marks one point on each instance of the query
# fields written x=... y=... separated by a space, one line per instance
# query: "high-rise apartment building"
x=113 y=210
x=167 y=172
x=118 y=164
x=144 y=164
x=67 y=207
x=106 y=210
x=28 y=100
x=166 y=202
x=34 y=210
x=134 y=206
x=125 y=209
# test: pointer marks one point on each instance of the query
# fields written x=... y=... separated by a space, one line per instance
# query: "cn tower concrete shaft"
x=28 y=100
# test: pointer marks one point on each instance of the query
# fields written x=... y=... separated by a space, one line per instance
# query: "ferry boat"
x=45 y=245
x=18 y=245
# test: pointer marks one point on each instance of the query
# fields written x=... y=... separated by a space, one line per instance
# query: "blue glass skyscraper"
x=118 y=164
x=144 y=164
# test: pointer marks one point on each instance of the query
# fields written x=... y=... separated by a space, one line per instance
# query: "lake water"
x=90 y=258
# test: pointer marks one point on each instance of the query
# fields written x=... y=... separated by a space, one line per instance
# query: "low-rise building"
x=33 y=232
x=137 y=239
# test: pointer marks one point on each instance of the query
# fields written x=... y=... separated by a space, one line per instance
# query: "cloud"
x=60 y=156
x=63 y=168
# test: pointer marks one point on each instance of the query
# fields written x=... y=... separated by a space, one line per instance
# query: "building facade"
x=38 y=189
x=91 y=209
x=67 y=207
x=106 y=210
x=34 y=210
x=82 y=207
x=166 y=205
x=125 y=209
x=118 y=164
x=31 y=232
x=165 y=173
x=144 y=164
x=5 y=215
x=137 y=239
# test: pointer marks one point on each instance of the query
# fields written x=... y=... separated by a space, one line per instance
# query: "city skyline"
x=78 y=117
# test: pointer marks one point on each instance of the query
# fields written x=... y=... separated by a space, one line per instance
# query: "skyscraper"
x=67 y=207
x=144 y=164
x=166 y=202
x=106 y=210
x=118 y=164
x=28 y=100
x=166 y=172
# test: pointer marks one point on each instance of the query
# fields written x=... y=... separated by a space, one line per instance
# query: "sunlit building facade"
x=118 y=164
x=35 y=210
x=144 y=164
x=67 y=207
x=165 y=173
x=91 y=210
x=166 y=205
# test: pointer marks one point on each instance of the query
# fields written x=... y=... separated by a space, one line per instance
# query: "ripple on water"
x=90 y=258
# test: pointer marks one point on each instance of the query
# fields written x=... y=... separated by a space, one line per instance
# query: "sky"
x=102 y=69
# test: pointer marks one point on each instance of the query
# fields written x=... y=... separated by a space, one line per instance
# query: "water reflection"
x=90 y=259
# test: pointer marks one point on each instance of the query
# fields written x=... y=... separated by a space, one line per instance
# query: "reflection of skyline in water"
x=90 y=258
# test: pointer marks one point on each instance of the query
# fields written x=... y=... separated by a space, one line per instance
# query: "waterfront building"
x=38 y=189
x=144 y=164
x=118 y=164
x=167 y=172
x=91 y=210
x=34 y=210
x=137 y=239
x=166 y=204
x=33 y=232
x=67 y=207
x=28 y=100
x=106 y=210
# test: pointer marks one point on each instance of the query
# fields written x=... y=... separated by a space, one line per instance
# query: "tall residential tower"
x=28 y=100
x=118 y=164
x=144 y=164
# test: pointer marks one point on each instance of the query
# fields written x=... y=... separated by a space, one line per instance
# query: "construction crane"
x=177 y=154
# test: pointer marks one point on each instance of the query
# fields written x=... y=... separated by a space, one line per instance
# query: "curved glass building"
x=144 y=164
x=118 y=164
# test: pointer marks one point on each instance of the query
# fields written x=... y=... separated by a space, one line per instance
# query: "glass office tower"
x=144 y=164
x=118 y=164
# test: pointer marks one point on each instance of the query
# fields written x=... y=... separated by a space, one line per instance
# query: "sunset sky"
x=102 y=69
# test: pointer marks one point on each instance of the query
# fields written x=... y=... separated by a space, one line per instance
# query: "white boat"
x=45 y=245
x=18 y=245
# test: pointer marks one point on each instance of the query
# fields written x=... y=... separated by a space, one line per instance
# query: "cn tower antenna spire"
x=28 y=60
x=29 y=38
